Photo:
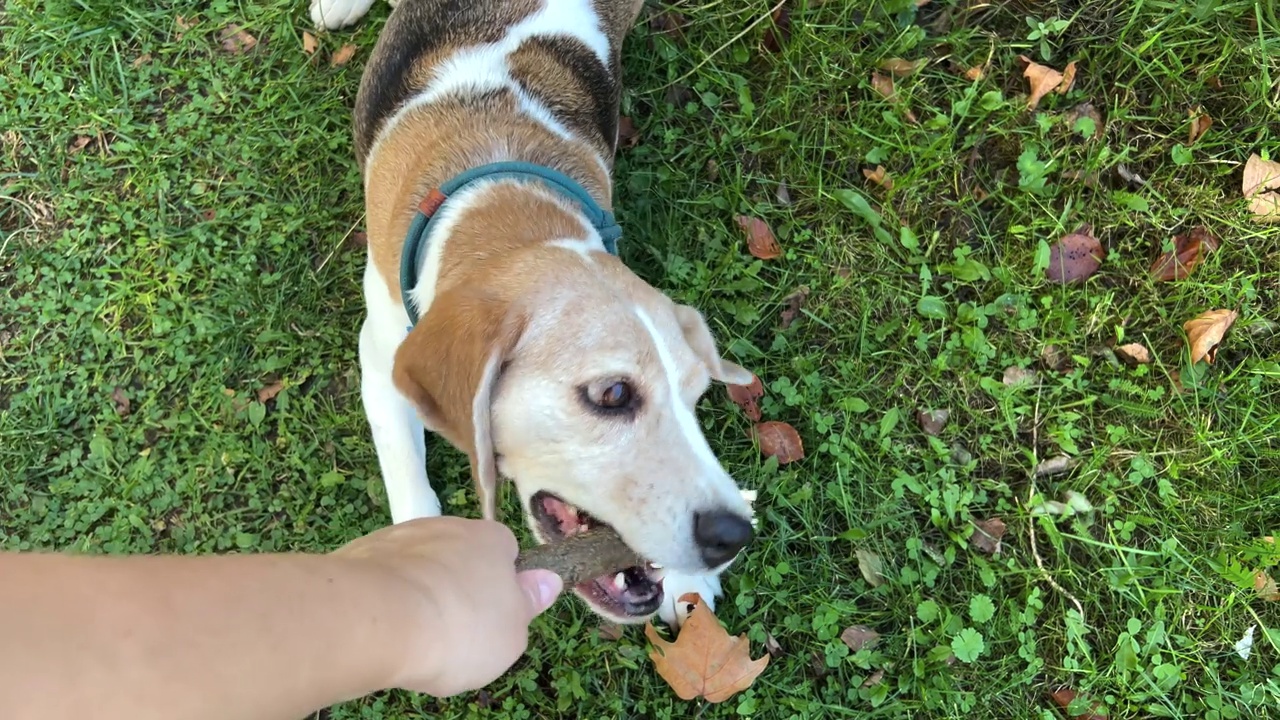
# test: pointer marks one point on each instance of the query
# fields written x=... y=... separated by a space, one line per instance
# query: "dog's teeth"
x=620 y=581
x=655 y=566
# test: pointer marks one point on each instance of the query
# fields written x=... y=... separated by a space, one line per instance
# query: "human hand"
x=474 y=608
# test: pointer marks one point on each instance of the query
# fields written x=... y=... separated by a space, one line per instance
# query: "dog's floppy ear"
x=448 y=366
x=698 y=335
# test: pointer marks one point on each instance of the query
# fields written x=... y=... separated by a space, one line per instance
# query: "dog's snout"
x=720 y=534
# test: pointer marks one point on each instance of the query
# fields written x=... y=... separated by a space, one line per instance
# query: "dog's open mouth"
x=632 y=594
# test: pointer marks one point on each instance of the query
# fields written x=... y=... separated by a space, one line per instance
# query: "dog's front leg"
x=674 y=585
x=397 y=430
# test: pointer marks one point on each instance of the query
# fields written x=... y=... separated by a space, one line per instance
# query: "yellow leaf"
x=1206 y=331
x=704 y=661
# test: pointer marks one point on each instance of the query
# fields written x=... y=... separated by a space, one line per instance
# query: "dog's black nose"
x=720 y=534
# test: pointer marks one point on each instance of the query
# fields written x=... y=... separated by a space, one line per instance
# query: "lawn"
x=180 y=259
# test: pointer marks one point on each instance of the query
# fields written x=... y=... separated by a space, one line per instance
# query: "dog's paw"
x=674 y=585
x=335 y=14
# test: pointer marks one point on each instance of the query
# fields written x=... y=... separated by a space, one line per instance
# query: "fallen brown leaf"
x=610 y=632
x=876 y=678
x=628 y=135
x=236 y=40
x=772 y=646
x=121 y=401
x=745 y=397
x=1266 y=587
x=883 y=85
x=783 y=194
x=1055 y=466
x=141 y=60
x=668 y=22
x=776 y=37
x=1068 y=79
x=1064 y=696
x=779 y=440
x=1188 y=251
x=270 y=392
x=987 y=534
x=1043 y=80
x=1053 y=358
x=1134 y=354
x=1200 y=122
x=1086 y=109
x=704 y=661
x=871 y=567
x=976 y=73
x=932 y=421
x=309 y=44
x=183 y=26
x=343 y=55
x=78 y=144
x=761 y=242
x=858 y=637
x=900 y=67
x=794 y=304
x=1074 y=258
x=1205 y=332
x=1261 y=187
x=1015 y=376
x=208 y=214
x=879 y=177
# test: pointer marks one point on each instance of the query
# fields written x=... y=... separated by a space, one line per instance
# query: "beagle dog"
x=498 y=314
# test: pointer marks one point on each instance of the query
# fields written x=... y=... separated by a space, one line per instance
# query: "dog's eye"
x=616 y=396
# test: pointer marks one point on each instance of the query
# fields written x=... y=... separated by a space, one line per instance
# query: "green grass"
x=199 y=247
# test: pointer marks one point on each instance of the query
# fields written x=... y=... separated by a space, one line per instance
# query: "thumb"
x=542 y=587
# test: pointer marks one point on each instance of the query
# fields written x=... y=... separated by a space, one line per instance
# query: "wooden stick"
x=581 y=557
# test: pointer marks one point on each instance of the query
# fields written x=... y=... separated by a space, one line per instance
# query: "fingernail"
x=549 y=586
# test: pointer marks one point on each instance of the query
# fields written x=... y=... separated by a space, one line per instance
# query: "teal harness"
x=415 y=243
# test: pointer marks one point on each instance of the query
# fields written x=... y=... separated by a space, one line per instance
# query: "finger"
x=541 y=587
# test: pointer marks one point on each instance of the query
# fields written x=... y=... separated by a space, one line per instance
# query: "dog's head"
x=565 y=372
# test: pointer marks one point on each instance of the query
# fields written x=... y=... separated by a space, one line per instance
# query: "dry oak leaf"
x=779 y=440
x=794 y=304
x=1188 y=251
x=976 y=73
x=236 y=40
x=1134 y=354
x=1266 y=587
x=745 y=397
x=343 y=56
x=1064 y=696
x=1068 y=78
x=883 y=85
x=857 y=637
x=704 y=661
x=879 y=177
x=987 y=534
x=270 y=392
x=1205 y=332
x=1261 y=187
x=78 y=144
x=1200 y=122
x=1075 y=257
x=628 y=135
x=309 y=44
x=900 y=67
x=1043 y=80
x=777 y=36
x=760 y=240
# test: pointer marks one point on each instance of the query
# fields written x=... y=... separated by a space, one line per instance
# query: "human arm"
x=432 y=605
